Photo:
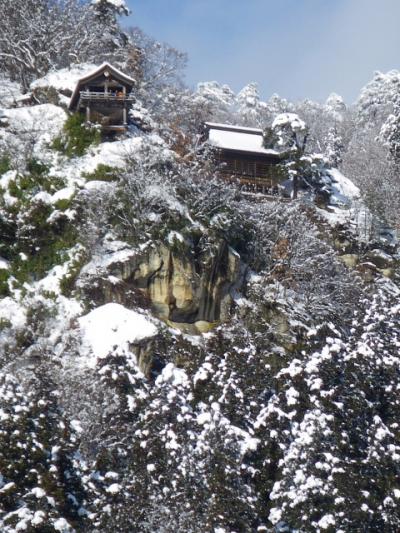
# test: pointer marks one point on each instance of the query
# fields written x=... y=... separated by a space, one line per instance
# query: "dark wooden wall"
x=250 y=169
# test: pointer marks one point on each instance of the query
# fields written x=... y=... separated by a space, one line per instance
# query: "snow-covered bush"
x=297 y=265
x=77 y=136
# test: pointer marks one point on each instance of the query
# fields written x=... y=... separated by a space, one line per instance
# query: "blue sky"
x=296 y=48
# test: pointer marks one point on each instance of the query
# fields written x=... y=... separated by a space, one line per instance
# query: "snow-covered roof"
x=237 y=138
x=105 y=67
x=64 y=79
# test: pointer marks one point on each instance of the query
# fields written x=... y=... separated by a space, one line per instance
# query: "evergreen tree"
x=40 y=479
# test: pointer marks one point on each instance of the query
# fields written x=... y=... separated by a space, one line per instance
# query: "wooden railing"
x=106 y=97
x=257 y=174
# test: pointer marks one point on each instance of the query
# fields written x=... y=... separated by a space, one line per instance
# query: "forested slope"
x=177 y=354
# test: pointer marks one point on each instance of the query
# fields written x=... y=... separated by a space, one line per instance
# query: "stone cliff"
x=190 y=291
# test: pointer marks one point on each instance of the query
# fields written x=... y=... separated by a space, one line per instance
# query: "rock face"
x=380 y=258
x=181 y=287
x=144 y=352
x=371 y=263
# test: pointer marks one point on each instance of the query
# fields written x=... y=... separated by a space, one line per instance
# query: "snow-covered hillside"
x=176 y=353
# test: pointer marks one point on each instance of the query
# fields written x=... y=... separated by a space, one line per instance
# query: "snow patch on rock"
x=110 y=327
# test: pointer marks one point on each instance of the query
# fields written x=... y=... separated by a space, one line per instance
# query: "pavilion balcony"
x=108 y=99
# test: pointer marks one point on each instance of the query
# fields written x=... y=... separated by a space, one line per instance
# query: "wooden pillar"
x=294 y=194
x=125 y=111
x=88 y=113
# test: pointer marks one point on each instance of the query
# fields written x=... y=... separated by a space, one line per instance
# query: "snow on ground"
x=343 y=188
x=51 y=282
x=10 y=92
x=100 y=186
x=68 y=309
x=109 y=254
x=335 y=215
x=114 y=154
x=12 y=312
x=346 y=206
x=354 y=213
x=357 y=217
x=28 y=127
x=45 y=120
x=6 y=178
x=63 y=194
x=112 y=326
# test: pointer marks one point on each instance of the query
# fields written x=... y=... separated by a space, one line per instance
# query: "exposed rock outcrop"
x=190 y=291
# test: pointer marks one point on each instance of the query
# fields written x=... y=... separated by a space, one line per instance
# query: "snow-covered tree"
x=288 y=134
x=277 y=105
x=107 y=9
x=249 y=106
x=376 y=99
x=40 y=481
x=338 y=469
x=217 y=101
x=322 y=120
x=41 y=35
x=390 y=130
x=293 y=259
x=369 y=164
x=335 y=103
x=281 y=418
x=107 y=13
x=161 y=65
x=334 y=147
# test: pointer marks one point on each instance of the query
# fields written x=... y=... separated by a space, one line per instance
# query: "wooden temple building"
x=105 y=96
x=241 y=155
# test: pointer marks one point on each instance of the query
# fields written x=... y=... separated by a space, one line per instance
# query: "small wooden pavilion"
x=105 y=95
x=241 y=154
